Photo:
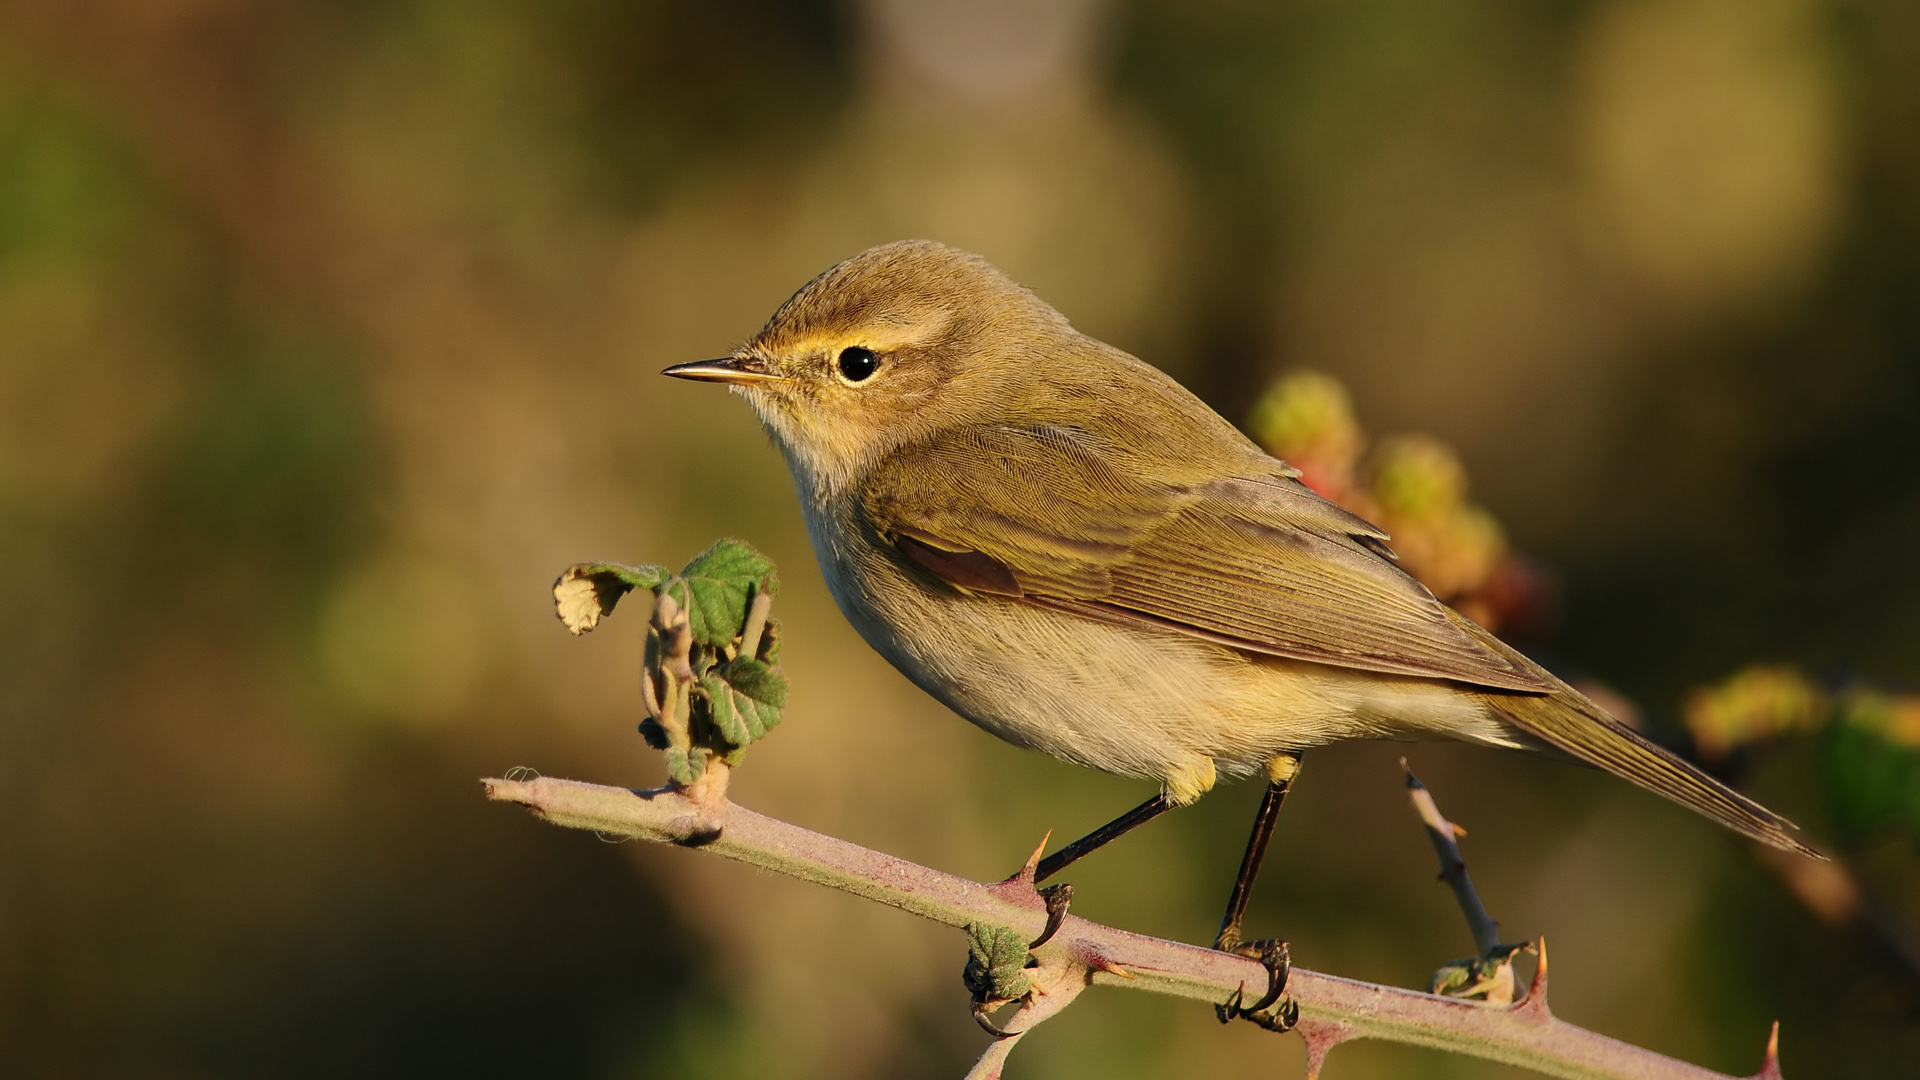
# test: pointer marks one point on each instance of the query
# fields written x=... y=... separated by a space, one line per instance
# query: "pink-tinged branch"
x=1332 y=1009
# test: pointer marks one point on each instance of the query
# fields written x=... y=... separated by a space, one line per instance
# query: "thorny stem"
x=1332 y=1009
x=1453 y=868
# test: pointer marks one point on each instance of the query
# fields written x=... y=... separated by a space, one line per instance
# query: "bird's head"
x=890 y=347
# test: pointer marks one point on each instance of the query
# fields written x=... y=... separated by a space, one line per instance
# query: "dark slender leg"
x=1272 y=1011
x=1263 y=822
x=1099 y=837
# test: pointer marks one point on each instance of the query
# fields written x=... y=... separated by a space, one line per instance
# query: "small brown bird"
x=1070 y=550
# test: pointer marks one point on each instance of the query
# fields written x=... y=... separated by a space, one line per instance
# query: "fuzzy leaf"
x=747 y=697
x=685 y=767
x=588 y=591
x=717 y=586
x=997 y=958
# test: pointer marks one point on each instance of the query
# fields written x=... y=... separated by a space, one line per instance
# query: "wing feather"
x=1575 y=726
x=1256 y=562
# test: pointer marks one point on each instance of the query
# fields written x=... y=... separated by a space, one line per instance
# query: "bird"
x=1070 y=550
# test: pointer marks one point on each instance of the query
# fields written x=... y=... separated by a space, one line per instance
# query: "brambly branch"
x=1082 y=953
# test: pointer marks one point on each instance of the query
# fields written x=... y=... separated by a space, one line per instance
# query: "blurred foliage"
x=1413 y=486
x=1872 y=765
x=272 y=462
x=328 y=330
x=663 y=84
x=1760 y=703
x=1306 y=419
x=1869 y=743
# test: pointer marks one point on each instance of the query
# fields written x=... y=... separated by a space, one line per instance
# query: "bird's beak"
x=728 y=369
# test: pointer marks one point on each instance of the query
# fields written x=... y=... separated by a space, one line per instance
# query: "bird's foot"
x=1273 y=1011
x=983 y=1015
x=1058 y=897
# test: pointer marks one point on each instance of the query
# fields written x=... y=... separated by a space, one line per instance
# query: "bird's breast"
x=1123 y=699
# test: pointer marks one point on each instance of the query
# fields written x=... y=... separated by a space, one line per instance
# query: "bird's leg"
x=1280 y=776
x=1101 y=836
x=1271 y=952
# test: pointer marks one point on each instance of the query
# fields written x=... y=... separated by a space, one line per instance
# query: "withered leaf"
x=588 y=591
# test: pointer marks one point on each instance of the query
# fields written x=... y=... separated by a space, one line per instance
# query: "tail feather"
x=1575 y=726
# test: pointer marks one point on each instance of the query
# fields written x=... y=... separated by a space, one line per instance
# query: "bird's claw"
x=982 y=1010
x=1057 y=898
x=1272 y=1011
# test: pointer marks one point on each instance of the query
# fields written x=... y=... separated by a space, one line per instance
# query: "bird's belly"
x=1132 y=701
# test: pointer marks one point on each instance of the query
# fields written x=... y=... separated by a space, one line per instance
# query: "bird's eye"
x=857 y=363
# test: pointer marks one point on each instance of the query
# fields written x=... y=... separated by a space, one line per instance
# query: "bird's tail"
x=1566 y=721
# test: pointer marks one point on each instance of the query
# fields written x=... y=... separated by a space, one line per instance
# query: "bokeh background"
x=329 y=334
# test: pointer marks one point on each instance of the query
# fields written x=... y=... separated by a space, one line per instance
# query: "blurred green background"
x=329 y=334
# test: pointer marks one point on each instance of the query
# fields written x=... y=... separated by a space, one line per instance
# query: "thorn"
x=1026 y=872
x=1458 y=831
x=1101 y=963
x=1770 y=1069
x=1321 y=1036
x=1534 y=1005
x=1033 y=860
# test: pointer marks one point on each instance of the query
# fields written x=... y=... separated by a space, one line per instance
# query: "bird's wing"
x=1055 y=517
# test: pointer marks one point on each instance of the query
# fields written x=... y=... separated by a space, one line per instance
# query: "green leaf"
x=719 y=584
x=685 y=767
x=997 y=959
x=747 y=697
x=734 y=560
x=588 y=591
x=1452 y=978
